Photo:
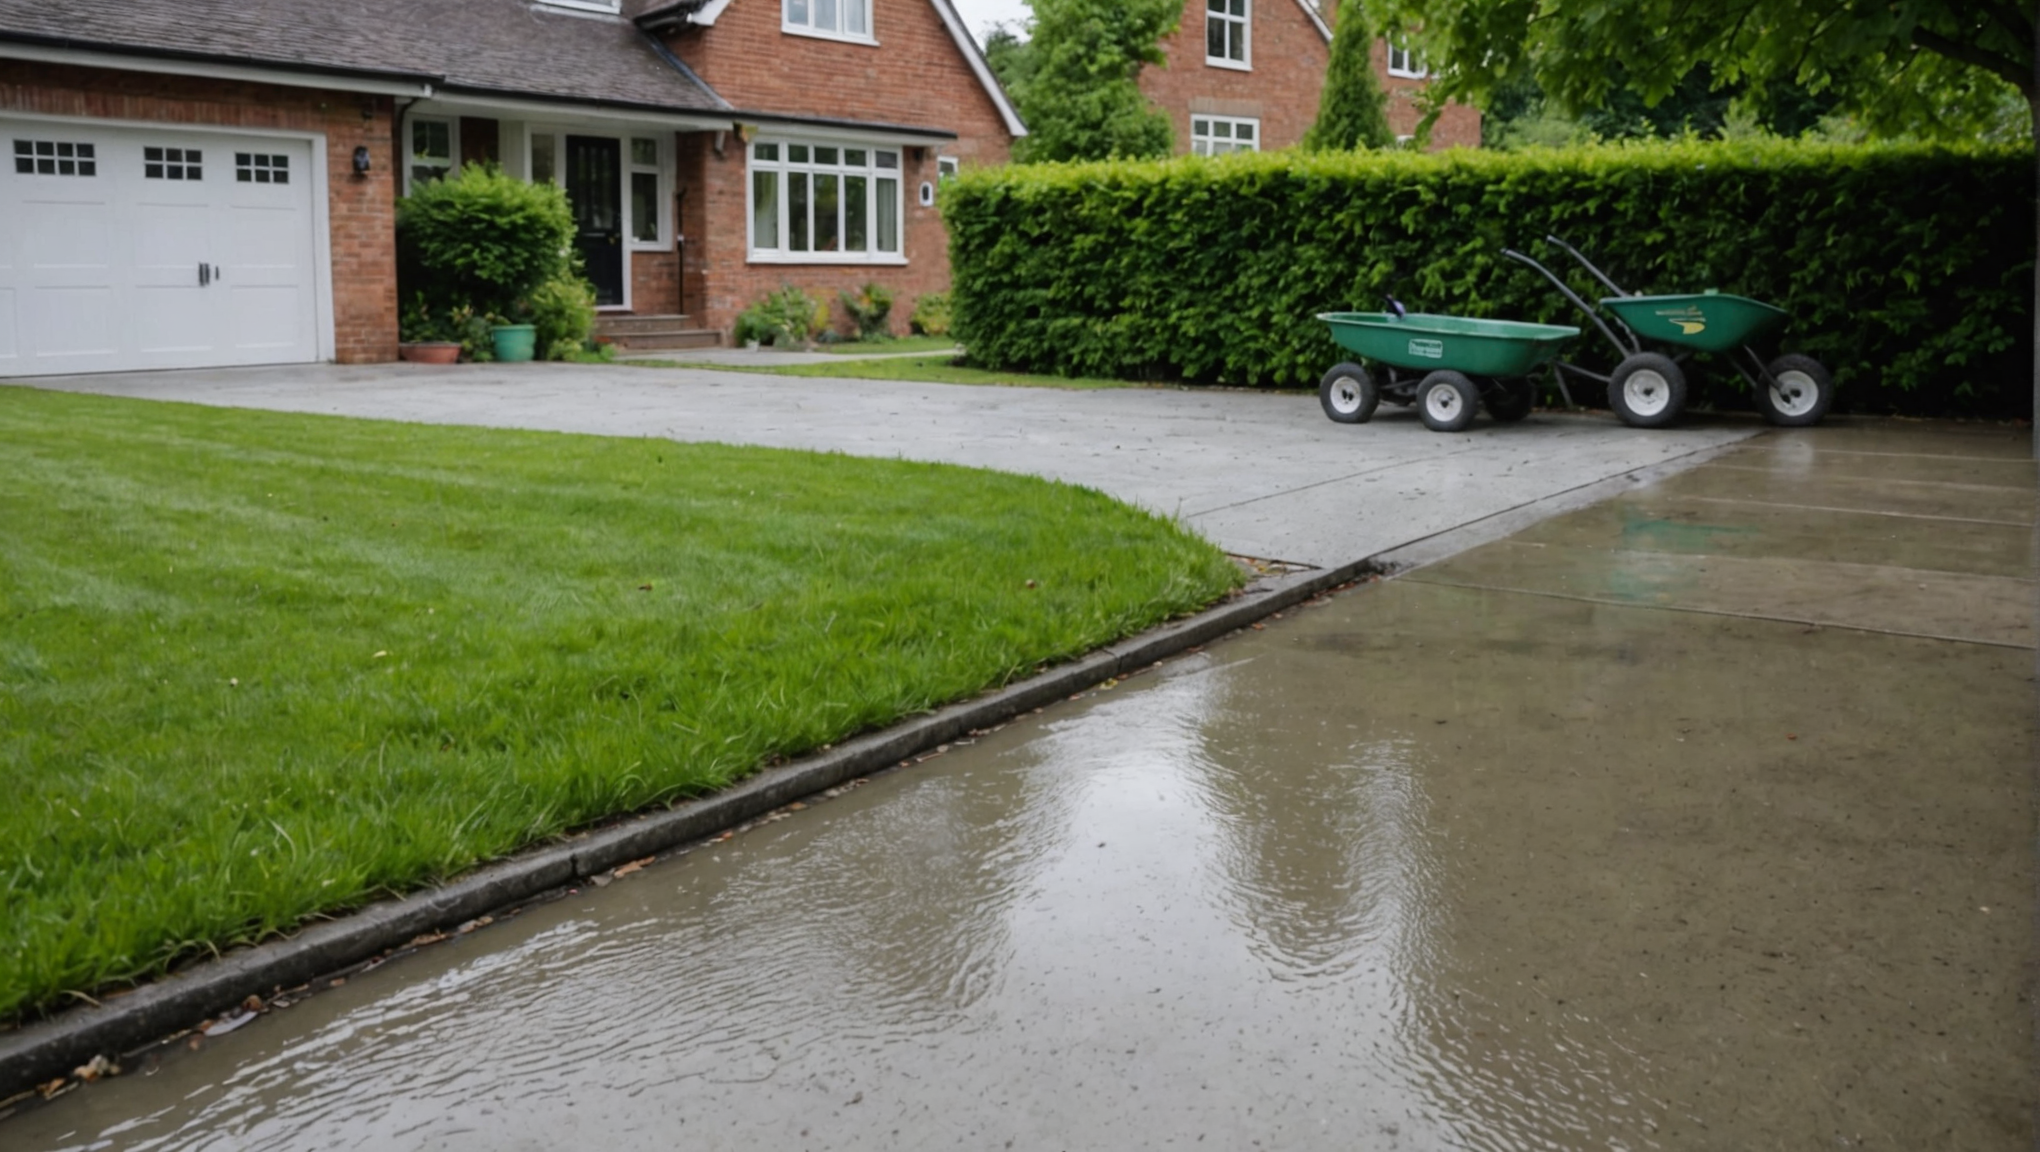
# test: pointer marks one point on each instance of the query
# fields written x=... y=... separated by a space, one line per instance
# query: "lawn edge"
x=51 y=1048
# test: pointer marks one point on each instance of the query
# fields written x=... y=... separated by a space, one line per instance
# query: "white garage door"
x=127 y=248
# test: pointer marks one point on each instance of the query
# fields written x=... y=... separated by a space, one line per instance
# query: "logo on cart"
x=1428 y=349
x=1691 y=321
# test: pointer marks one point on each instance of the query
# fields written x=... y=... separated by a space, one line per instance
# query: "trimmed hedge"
x=1908 y=269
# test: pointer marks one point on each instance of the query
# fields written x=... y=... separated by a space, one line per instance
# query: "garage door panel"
x=73 y=321
x=172 y=319
x=172 y=236
x=266 y=318
x=66 y=236
x=266 y=245
x=10 y=344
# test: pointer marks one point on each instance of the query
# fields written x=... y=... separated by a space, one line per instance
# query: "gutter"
x=45 y=50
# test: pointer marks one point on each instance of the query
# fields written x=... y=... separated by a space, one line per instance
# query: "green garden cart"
x=1446 y=365
x=1647 y=389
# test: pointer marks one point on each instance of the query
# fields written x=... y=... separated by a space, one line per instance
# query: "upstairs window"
x=1405 y=63
x=1226 y=33
x=837 y=19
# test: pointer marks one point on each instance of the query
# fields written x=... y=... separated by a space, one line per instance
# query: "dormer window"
x=836 y=19
x=610 y=6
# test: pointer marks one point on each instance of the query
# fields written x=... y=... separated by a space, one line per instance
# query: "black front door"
x=595 y=188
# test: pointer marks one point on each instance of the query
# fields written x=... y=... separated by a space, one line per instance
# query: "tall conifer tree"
x=1352 y=112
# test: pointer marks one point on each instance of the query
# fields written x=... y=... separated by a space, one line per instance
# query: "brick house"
x=193 y=183
x=1246 y=75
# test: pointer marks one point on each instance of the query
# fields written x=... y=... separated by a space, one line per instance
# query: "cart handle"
x=1621 y=350
x=1596 y=273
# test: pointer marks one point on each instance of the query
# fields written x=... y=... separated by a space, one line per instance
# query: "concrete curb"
x=51 y=1048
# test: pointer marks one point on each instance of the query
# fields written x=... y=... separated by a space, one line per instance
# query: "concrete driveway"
x=1261 y=474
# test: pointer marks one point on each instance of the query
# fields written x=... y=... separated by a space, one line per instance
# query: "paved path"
x=1261 y=474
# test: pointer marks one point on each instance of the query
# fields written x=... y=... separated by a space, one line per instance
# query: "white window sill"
x=650 y=246
x=838 y=37
x=1409 y=75
x=826 y=258
x=1222 y=62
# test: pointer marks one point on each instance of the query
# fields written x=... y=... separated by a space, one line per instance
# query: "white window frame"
x=1205 y=143
x=782 y=166
x=841 y=31
x=661 y=170
x=1404 y=63
x=609 y=6
x=946 y=167
x=452 y=147
x=1241 y=26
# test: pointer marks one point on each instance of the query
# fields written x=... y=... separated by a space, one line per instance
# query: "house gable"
x=1272 y=93
x=917 y=68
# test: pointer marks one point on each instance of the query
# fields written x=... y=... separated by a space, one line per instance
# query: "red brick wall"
x=915 y=76
x=655 y=283
x=1289 y=56
x=361 y=210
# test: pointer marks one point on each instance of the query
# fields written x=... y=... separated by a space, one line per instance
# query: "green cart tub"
x=1708 y=321
x=1424 y=342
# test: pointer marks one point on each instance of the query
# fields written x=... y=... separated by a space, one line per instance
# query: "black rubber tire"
x=1659 y=395
x=1798 y=409
x=1348 y=394
x=1447 y=401
x=1510 y=400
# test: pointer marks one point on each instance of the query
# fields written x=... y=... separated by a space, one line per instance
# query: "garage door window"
x=261 y=168
x=172 y=164
x=54 y=158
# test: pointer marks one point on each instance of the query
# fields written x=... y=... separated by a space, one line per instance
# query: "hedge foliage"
x=1908 y=269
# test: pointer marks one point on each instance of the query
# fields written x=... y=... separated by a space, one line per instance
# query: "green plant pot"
x=514 y=342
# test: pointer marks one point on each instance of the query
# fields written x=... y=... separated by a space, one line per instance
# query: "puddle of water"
x=1426 y=868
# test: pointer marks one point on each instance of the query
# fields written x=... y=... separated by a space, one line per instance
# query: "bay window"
x=814 y=203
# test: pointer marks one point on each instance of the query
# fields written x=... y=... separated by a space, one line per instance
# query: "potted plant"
x=424 y=338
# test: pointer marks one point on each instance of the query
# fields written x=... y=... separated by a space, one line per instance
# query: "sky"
x=981 y=15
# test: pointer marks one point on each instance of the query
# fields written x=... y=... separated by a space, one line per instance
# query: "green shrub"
x=1907 y=269
x=784 y=318
x=931 y=314
x=484 y=239
x=870 y=308
x=563 y=311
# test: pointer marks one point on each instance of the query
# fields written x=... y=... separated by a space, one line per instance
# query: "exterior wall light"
x=361 y=160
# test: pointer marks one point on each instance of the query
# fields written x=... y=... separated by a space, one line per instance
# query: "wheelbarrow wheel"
x=1647 y=390
x=1510 y=400
x=1447 y=401
x=1802 y=395
x=1348 y=394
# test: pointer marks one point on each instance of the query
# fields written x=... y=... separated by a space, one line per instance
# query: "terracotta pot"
x=434 y=353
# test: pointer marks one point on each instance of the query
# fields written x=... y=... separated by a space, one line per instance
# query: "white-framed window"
x=1405 y=63
x=646 y=161
x=433 y=140
x=1218 y=135
x=1228 y=33
x=542 y=157
x=819 y=203
x=837 y=19
x=586 y=5
x=946 y=167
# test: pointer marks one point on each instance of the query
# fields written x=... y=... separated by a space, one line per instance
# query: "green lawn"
x=941 y=369
x=258 y=666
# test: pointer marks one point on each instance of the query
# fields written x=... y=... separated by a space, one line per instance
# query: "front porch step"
x=654 y=333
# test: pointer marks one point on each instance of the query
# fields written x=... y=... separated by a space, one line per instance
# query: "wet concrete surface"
x=1465 y=859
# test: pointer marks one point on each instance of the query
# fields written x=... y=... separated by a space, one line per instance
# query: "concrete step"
x=660 y=341
x=633 y=325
